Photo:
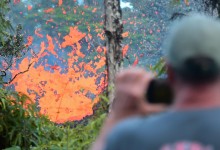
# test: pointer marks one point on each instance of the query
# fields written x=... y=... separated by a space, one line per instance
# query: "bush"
x=18 y=120
x=22 y=127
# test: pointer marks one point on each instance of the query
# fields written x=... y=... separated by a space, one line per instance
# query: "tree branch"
x=9 y=82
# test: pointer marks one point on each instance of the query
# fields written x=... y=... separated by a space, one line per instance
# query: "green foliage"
x=72 y=136
x=4 y=23
x=22 y=127
x=37 y=18
x=175 y=2
x=18 y=120
x=159 y=68
x=12 y=45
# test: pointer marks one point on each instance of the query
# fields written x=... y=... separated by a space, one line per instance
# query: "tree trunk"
x=113 y=31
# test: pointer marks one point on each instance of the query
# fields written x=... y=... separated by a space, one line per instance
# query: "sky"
x=126 y=5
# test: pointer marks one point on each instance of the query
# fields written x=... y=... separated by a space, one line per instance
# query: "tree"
x=209 y=5
x=113 y=31
x=212 y=4
x=12 y=46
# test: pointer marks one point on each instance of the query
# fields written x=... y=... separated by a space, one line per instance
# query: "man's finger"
x=129 y=72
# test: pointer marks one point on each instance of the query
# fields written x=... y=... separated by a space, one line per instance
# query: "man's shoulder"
x=122 y=133
x=134 y=126
x=154 y=131
x=132 y=130
x=128 y=125
x=164 y=121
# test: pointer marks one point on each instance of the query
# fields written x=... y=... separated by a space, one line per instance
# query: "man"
x=193 y=121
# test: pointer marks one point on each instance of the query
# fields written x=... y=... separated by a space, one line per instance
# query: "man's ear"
x=170 y=74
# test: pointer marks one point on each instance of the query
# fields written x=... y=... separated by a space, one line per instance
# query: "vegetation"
x=12 y=47
x=22 y=127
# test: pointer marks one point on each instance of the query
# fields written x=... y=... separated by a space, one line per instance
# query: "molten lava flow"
x=37 y=33
x=49 y=10
x=136 y=61
x=60 y=2
x=94 y=10
x=51 y=45
x=29 y=41
x=126 y=34
x=17 y=1
x=125 y=50
x=186 y=2
x=74 y=37
x=66 y=91
x=29 y=7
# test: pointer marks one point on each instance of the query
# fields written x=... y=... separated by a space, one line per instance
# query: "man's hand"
x=131 y=87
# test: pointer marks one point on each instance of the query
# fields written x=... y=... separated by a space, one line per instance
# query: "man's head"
x=193 y=49
x=193 y=58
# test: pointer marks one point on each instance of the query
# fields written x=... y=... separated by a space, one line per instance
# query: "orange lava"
x=51 y=45
x=136 y=61
x=60 y=2
x=125 y=50
x=186 y=2
x=17 y=1
x=37 y=33
x=94 y=10
x=62 y=96
x=126 y=34
x=29 y=40
x=73 y=37
x=29 y=7
x=49 y=10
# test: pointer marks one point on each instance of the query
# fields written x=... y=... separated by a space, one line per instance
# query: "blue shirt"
x=182 y=130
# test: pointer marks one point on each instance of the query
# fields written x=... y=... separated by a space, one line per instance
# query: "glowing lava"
x=64 y=93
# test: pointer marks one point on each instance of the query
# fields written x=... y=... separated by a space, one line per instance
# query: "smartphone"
x=159 y=92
